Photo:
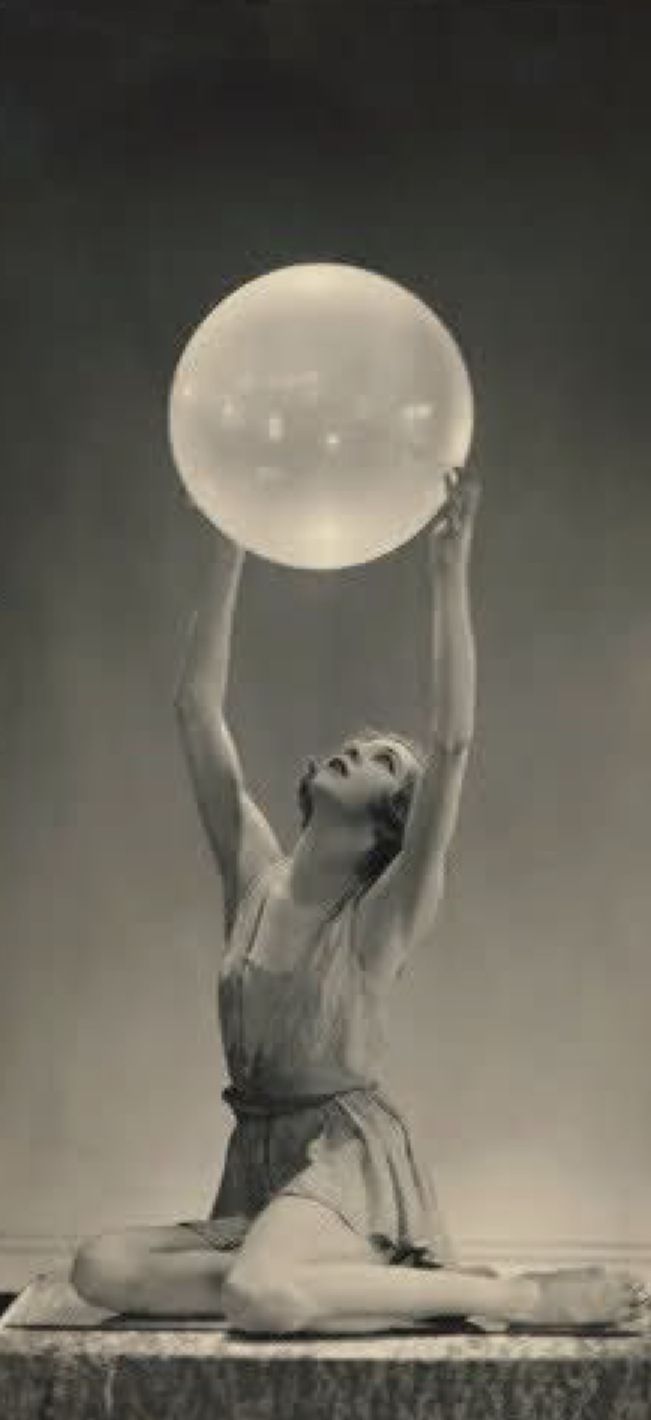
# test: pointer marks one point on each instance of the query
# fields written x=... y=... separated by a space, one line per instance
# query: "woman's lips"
x=338 y=765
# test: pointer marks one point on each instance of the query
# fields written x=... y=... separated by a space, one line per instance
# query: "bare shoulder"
x=256 y=887
x=378 y=907
x=399 y=910
x=382 y=931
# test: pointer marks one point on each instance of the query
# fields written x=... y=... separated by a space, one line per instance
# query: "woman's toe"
x=639 y=1296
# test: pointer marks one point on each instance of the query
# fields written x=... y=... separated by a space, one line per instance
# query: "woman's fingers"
x=453 y=523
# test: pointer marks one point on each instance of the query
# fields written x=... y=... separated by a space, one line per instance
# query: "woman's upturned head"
x=373 y=775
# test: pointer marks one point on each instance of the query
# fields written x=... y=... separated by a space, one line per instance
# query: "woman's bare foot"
x=583 y=1297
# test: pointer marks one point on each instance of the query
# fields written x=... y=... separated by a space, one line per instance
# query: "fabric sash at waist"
x=245 y=1104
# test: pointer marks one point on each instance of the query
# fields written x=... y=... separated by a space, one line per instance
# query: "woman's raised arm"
x=403 y=902
x=242 y=840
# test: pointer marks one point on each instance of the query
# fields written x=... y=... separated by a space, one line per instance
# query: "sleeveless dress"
x=303 y=1046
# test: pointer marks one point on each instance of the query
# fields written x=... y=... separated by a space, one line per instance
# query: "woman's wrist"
x=449 y=565
x=228 y=555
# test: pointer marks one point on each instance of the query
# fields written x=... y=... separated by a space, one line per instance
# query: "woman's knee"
x=108 y=1269
x=257 y=1300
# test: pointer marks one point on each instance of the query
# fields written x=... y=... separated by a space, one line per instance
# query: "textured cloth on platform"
x=303 y=1046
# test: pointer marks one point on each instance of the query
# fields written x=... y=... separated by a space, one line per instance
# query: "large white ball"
x=314 y=413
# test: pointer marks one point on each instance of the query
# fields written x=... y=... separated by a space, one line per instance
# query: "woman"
x=326 y=1218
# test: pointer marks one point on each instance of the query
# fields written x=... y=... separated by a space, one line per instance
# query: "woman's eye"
x=387 y=759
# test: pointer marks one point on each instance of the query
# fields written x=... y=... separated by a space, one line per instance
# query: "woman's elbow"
x=194 y=701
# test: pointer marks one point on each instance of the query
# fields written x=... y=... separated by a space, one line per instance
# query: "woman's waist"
x=248 y=1099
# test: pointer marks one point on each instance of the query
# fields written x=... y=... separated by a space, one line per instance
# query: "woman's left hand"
x=452 y=526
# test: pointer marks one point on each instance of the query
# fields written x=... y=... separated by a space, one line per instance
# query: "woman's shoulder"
x=260 y=886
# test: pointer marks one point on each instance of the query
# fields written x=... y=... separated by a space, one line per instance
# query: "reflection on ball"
x=314 y=413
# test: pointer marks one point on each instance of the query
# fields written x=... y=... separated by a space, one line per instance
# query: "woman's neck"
x=322 y=867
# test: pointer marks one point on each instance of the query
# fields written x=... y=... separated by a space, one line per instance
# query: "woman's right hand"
x=451 y=529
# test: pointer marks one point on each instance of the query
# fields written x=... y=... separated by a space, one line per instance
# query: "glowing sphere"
x=314 y=413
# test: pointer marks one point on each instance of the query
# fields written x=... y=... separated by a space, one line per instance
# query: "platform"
x=192 y=1375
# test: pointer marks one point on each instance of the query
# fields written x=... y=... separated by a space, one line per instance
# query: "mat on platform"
x=50 y=1302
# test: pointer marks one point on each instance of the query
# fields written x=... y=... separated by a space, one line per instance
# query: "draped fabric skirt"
x=352 y=1152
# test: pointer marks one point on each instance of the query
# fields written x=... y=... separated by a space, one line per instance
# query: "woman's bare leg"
x=301 y=1268
x=353 y=1296
x=155 y=1271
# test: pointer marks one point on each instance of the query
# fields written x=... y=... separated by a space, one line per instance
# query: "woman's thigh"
x=156 y=1238
x=295 y=1229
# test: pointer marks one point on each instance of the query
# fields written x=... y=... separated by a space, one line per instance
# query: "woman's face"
x=362 y=771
